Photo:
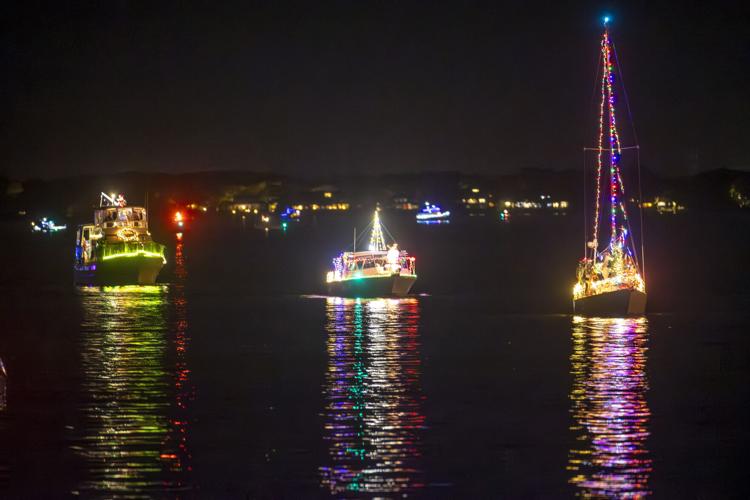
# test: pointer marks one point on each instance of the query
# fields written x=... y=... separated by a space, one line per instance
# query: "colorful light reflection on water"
x=133 y=437
x=373 y=416
x=609 y=407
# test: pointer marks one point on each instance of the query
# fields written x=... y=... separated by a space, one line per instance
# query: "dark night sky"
x=354 y=86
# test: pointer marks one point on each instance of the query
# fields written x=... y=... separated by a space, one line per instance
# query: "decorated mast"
x=377 y=241
x=614 y=269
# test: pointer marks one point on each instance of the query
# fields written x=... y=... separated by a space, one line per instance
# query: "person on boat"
x=392 y=257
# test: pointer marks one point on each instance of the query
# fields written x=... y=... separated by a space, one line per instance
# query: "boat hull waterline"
x=626 y=302
x=138 y=270
x=395 y=285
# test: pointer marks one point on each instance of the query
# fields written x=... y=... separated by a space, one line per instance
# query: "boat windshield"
x=120 y=214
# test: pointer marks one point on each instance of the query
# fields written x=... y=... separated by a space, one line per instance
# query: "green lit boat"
x=117 y=248
x=380 y=271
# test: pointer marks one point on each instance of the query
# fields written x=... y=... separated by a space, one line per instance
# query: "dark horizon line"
x=319 y=177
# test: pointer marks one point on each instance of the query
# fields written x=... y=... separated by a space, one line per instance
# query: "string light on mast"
x=377 y=241
x=607 y=107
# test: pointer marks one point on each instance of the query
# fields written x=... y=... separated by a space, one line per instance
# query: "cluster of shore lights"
x=528 y=204
x=316 y=206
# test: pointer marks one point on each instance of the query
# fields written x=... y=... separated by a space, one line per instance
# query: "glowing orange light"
x=178 y=217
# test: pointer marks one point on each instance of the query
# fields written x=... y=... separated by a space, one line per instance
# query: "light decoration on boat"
x=127 y=234
x=377 y=241
x=137 y=253
x=432 y=213
x=178 y=218
x=377 y=262
x=130 y=250
x=46 y=225
x=290 y=213
x=615 y=267
x=112 y=200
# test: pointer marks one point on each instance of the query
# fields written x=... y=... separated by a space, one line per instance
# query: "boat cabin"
x=122 y=223
x=352 y=265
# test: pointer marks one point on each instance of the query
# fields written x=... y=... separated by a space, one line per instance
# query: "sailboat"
x=380 y=271
x=610 y=280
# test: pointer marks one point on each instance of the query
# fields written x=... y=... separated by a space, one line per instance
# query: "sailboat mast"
x=377 y=241
x=599 y=151
x=354 y=246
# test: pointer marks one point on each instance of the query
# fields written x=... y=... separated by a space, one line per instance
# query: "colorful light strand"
x=377 y=241
x=616 y=185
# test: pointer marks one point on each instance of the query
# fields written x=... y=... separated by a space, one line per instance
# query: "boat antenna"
x=354 y=246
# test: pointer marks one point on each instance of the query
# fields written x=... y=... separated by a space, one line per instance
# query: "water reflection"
x=373 y=418
x=609 y=406
x=176 y=454
x=136 y=390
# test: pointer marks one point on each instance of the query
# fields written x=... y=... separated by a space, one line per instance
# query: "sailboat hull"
x=617 y=303
x=380 y=286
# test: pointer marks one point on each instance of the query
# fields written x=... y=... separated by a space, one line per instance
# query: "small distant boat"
x=45 y=225
x=289 y=215
x=267 y=222
x=180 y=221
x=380 y=271
x=117 y=248
x=432 y=214
x=609 y=282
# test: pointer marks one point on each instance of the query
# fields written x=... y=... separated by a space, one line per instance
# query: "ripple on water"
x=609 y=407
x=373 y=416
x=133 y=440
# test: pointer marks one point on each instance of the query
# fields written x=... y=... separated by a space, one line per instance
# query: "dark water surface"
x=235 y=378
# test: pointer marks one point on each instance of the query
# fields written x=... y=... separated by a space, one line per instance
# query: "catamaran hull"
x=617 y=303
x=385 y=286
x=138 y=270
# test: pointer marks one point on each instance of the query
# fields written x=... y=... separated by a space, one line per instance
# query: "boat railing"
x=148 y=248
x=378 y=266
x=596 y=286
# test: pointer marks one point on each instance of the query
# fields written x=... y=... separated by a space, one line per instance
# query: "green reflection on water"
x=133 y=432
x=373 y=419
